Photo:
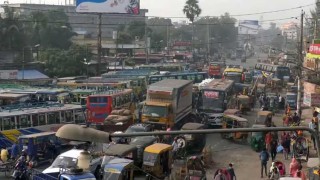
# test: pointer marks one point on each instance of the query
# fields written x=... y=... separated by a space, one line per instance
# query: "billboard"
x=314 y=49
x=248 y=27
x=8 y=74
x=108 y=6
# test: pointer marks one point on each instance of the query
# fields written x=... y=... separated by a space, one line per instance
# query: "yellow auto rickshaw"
x=243 y=103
x=157 y=160
x=264 y=117
x=235 y=112
x=230 y=122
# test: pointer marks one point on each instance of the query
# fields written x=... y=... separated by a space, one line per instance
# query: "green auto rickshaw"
x=257 y=138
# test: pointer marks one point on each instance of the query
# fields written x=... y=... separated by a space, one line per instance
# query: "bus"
x=165 y=67
x=196 y=77
x=100 y=105
x=92 y=86
x=213 y=99
x=215 y=69
x=275 y=71
x=234 y=73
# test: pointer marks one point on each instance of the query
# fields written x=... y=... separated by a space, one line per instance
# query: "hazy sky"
x=173 y=8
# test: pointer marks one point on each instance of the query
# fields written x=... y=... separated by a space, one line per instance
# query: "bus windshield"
x=212 y=101
x=283 y=71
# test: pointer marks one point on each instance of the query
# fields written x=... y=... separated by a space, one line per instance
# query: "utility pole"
x=208 y=36
x=99 y=44
x=146 y=39
x=168 y=39
x=315 y=32
x=299 y=65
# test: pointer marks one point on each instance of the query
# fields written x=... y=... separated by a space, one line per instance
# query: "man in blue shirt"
x=14 y=151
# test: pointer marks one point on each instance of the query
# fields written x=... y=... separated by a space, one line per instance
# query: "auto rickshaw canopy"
x=243 y=98
x=116 y=165
x=258 y=126
x=237 y=121
x=120 y=150
x=232 y=112
x=143 y=141
x=158 y=148
x=192 y=126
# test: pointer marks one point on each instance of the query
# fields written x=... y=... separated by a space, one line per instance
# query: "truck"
x=168 y=104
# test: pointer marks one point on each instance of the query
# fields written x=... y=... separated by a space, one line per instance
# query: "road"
x=246 y=161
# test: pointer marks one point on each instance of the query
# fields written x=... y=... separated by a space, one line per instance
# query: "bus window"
x=179 y=77
x=52 y=118
x=7 y=123
x=35 y=120
x=93 y=99
x=200 y=78
x=24 y=121
x=117 y=101
x=42 y=119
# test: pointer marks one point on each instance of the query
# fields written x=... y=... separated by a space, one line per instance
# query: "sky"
x=173 y=8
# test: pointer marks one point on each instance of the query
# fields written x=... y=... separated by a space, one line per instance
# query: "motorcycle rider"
x=20 y=167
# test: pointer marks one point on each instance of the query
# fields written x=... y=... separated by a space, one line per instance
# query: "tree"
x=192 y=10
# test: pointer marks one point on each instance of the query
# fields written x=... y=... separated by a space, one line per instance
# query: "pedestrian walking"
x=4 y=154
x=268 y=140
x=312 y=125
x=273 y=149
x=286 y=147
x=14 y=151
x=264 y=158
x=296 y=119
x=231 y=172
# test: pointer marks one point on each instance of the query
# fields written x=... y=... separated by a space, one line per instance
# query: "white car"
x=69 y=159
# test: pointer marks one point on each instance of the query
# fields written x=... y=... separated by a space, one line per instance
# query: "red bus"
x=215 y=69
x=99 y=106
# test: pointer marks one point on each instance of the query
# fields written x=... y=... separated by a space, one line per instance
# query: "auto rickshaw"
x=273 y=102
x=243 y=103
x=261 y=89
x=141 y=143
x=118 y=169
x=301 y=148
x=123 y=151
x=265 y=118
x=157 y=160
x=313 y=169
x=257 y=138
x=231 y=121
x=195 y=169
x=41 y=147
x=235 y=112
x=194 y=143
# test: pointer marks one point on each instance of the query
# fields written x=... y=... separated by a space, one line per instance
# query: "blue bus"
x=196 y=77
x=276 y=71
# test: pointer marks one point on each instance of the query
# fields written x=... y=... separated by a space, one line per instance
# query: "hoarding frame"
x=90 y=9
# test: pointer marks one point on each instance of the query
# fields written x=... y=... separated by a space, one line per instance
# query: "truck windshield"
x=292 y=97
x=64 y=162
x=111 y=176
x=155 y=111
x=236 y=77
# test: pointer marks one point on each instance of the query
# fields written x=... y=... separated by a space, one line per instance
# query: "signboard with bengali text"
x=314 y=49
x=108 y=6
x=211 y=94
x=8 y=74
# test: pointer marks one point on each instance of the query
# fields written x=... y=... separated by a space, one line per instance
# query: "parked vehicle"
x=168 y=103
x=69 y=159
x=41 y=147
x=265 y=118
x=118 y=169
x=257 y=138
x=291 y=100
x=231 y=122
x=65 y=174
x=194 y=143
x=123 y=151
x=141 y=143
x=157 y=160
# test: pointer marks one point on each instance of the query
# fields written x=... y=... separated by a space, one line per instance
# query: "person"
x=264 y=158
x=272 y=167
x=273 y=149
x=268 y=140
x=175 y=146
x=294 y=166
x=315 y=119
x=312 y=125
x=219 y=176
x=286 y=147
x=231 y=172
x=4 y=154
x=14 y=151
x=275 y=174
x=296 y=119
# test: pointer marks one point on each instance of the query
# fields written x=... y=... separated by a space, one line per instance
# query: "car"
x=139 y=127
x=69 y=159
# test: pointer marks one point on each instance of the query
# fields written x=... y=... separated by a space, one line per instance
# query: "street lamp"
x=87 y=71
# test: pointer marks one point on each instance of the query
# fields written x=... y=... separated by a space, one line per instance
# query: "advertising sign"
x=311 y=99
x=8 y=74
x=211 y=94
x=310 y=63
x=248 y=27
x=108 y=6
x=314 y=49
x=311 y=88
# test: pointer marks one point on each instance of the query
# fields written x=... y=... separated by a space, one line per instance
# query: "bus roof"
x=218 y=84
x=237 y=70
x=111 y=92
x=36 y=135
x=10 y=95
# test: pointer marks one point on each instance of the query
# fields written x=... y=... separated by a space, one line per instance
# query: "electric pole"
x=300 y=64
x=99 y=44
x=208 y=36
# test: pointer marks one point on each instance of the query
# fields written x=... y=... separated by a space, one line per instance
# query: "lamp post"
x=87 y=71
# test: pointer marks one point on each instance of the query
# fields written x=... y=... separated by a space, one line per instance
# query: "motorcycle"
x=20 y=170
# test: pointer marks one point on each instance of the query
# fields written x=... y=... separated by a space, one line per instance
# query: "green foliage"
x=63 y=63
x=192 y=9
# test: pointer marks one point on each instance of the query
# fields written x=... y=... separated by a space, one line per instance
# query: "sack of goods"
x=118 y=116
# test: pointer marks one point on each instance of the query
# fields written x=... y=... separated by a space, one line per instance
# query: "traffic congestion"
x=156 y=98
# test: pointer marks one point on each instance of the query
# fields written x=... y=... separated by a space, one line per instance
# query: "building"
x=86 y=24
x=290 y=30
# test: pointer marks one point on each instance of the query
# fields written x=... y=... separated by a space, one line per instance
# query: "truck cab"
x=157 y=112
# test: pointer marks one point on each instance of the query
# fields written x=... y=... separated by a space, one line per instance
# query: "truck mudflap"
x=38 y=175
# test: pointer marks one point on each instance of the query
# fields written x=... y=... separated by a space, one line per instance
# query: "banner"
x=248 y=27
x=314 y=49
x=108 y=6
x=8 y=74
